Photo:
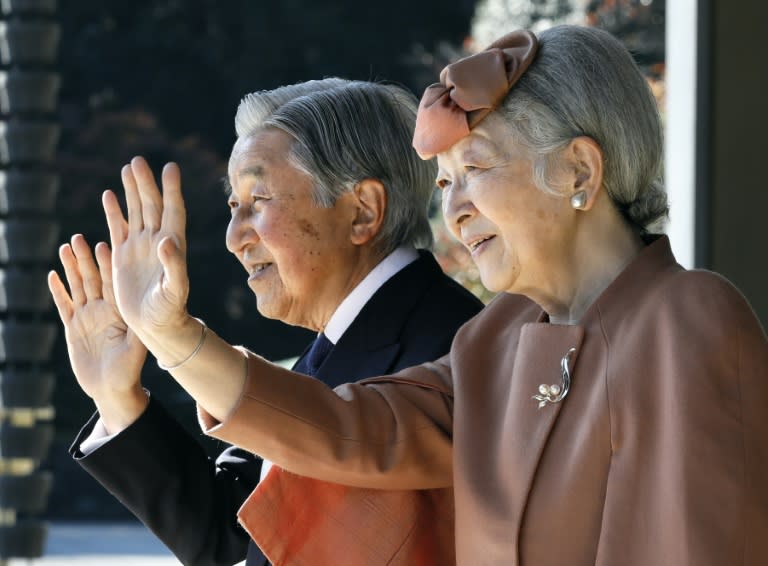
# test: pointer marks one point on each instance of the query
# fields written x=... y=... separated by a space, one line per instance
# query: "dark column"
x=732 y=224
x=28 y=235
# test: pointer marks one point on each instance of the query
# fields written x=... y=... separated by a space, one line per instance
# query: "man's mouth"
x=257 y=269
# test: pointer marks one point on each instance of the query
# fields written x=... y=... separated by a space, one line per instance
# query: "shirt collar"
x=351 y=306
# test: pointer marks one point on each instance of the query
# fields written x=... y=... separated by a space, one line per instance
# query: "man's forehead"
x=255 y=153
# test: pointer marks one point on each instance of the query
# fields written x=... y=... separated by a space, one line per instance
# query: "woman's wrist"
x=173 y=343
x=192 y=354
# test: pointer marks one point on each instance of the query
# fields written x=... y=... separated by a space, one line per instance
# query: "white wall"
x=680 y=152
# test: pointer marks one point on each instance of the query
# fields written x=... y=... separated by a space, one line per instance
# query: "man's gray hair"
x=345 y=132
x=583 y=82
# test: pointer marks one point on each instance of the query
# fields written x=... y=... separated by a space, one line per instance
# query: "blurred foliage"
x=494 y=18
x=639 y=24
x=190 y=61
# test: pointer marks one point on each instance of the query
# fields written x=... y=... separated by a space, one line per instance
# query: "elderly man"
x=328 y=211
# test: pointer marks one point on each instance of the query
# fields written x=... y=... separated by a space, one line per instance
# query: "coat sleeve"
x=688 y=402
x=163 y=476
x=391 y=433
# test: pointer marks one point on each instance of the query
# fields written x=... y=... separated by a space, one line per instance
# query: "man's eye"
x=470 y=168
x=442 y=183
x=232 y=204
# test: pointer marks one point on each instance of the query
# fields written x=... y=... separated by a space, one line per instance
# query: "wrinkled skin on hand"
x=149 y=249
x=106 y=356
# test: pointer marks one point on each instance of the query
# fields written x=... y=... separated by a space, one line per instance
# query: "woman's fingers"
x=61 y=298
x=118 y=227
x=149 y=195
x=174 y=264
x=174 y=212
x=132 y=200
x=89 y=272
x=104 y=260
x=72 y=273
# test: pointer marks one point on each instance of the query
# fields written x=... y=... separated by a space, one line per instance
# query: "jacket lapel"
x=344 y=364
x=371 y=344
x=535 y=400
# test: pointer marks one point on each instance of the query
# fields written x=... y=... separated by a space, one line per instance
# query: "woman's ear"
x=371 y=205
x=584 y=157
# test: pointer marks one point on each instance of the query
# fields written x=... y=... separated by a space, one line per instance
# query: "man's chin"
x=270 y=310
x=265 y=311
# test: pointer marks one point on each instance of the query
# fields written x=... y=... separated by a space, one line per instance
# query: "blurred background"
x=163 y=78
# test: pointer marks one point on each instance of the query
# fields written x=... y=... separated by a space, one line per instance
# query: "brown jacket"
x=657 y=456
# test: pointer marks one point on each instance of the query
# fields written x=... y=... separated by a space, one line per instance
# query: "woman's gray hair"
x=345 y=132
x=583 y=82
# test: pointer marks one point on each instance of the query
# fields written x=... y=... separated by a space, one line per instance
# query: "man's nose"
x=240 y=232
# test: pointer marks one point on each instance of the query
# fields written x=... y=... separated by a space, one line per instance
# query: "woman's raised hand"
x=106 y=356
x=149 y=250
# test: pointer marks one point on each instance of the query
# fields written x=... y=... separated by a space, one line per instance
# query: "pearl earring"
x=579 y=200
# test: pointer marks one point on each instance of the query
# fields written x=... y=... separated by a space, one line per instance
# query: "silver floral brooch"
x=556 y=392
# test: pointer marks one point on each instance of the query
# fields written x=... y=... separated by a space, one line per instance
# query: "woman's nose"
x=240 y=233
x=457 y=207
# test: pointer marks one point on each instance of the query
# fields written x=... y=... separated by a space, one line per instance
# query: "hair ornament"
x=469 y=90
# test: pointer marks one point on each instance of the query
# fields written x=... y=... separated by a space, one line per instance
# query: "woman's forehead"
x=484 y=140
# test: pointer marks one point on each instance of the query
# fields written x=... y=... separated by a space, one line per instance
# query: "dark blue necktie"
x=317 y=353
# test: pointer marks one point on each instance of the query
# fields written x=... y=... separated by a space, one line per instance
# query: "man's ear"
x=371 y=205
x=584 y=158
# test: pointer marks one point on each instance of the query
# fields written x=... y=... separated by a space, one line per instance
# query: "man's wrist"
x=119 y=410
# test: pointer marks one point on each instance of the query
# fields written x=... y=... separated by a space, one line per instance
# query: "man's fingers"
x=149 y=194
x=174 y=211
x=60 y=296
x=132 y=200
x=72 y=272
x=104 y=260
x=89 y=272
x=118 y=227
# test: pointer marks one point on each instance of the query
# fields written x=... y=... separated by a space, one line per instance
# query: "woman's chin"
x=497 y=284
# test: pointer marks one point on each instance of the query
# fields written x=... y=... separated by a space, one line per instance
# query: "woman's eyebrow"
x=481 y=148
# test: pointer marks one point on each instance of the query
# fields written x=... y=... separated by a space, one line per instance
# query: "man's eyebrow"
x=253 y=171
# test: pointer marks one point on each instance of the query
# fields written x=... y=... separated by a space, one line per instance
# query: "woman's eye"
x=442 y=183
x=470 y=168
x=232 y=204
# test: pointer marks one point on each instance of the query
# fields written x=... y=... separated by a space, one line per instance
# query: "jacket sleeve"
x=390 y=433
x=163 y=476
x=689 y=411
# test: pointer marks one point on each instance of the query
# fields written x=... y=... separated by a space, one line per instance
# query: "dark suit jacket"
x=162 y=475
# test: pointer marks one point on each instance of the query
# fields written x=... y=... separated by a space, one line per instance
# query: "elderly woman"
x=328 y=207
x=616 y=418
